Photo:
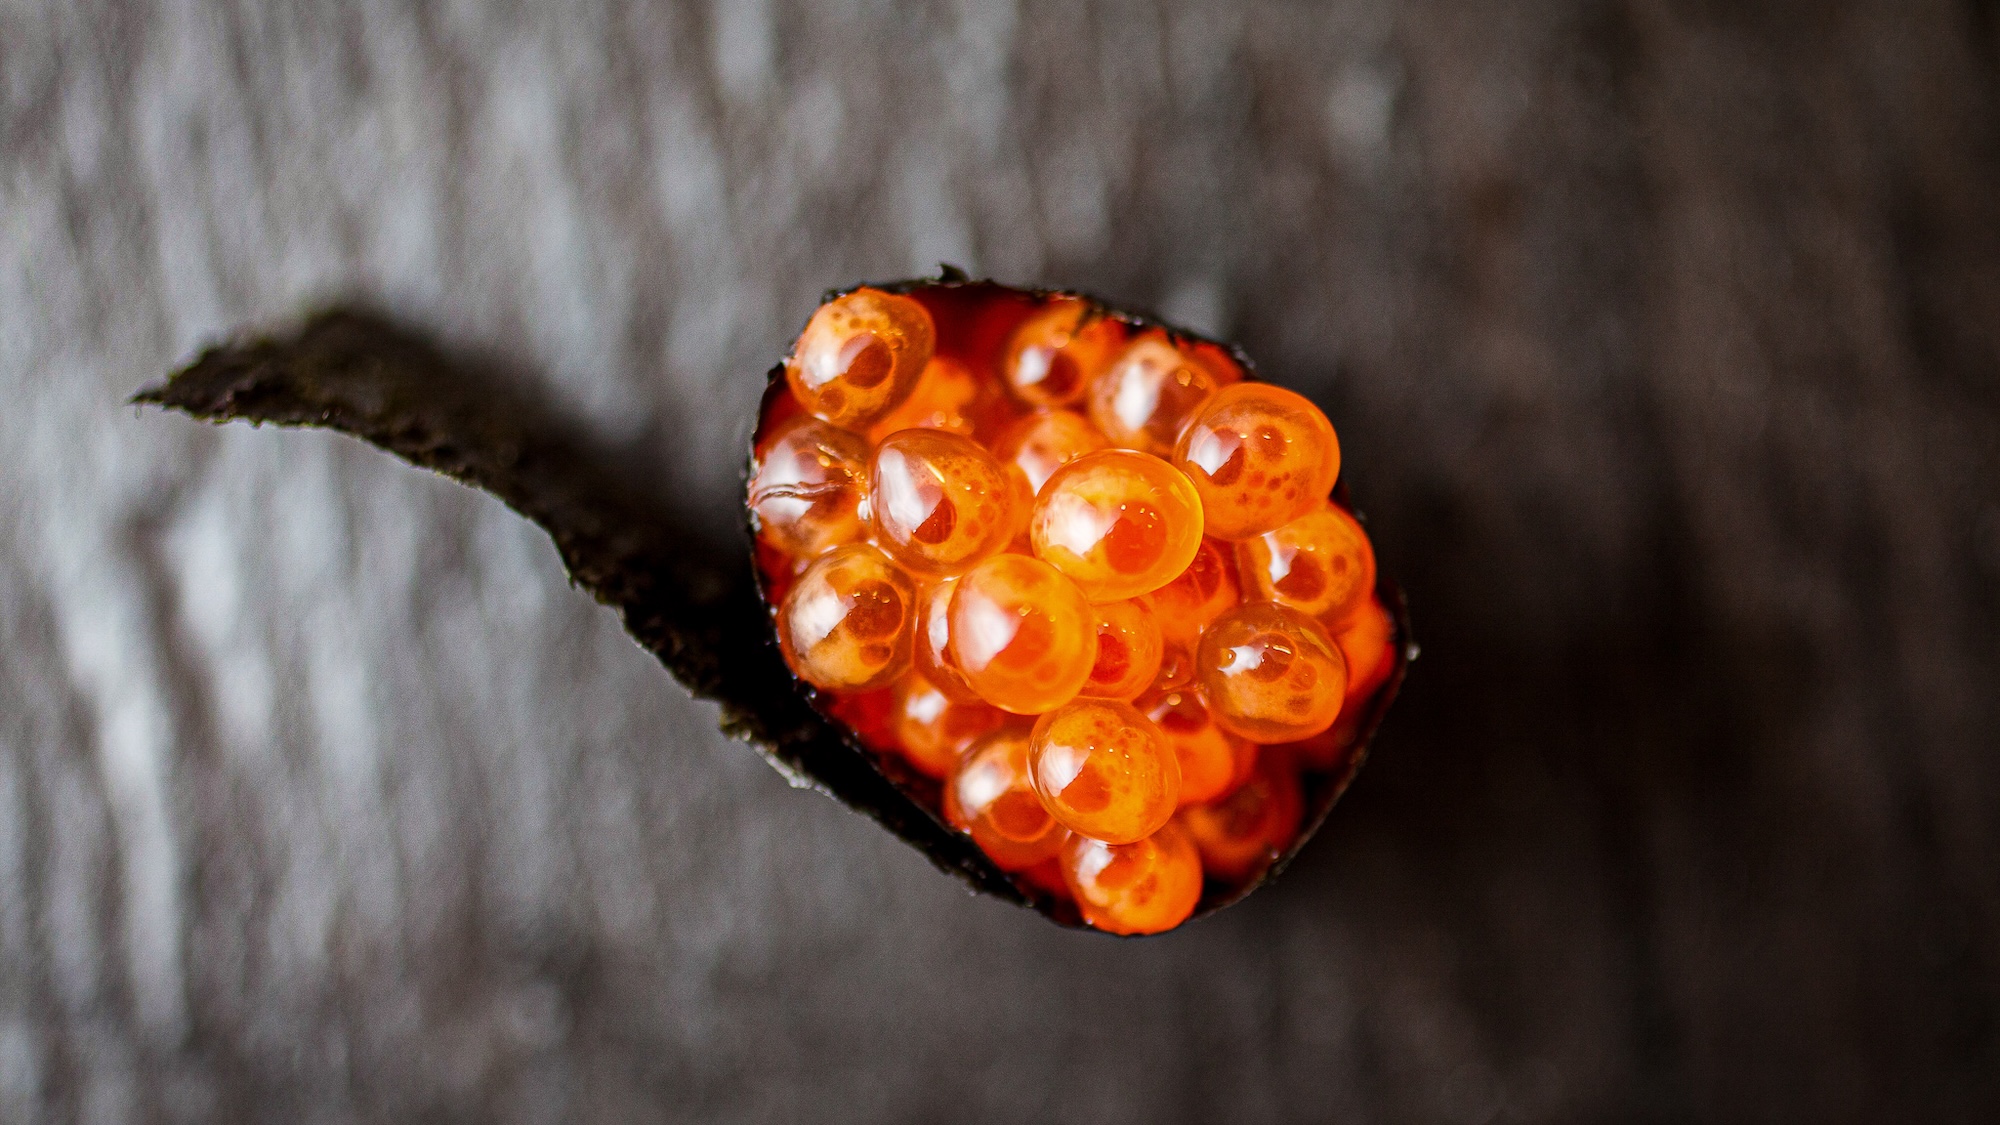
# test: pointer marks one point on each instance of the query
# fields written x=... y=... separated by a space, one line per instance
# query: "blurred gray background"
x=1664 y=340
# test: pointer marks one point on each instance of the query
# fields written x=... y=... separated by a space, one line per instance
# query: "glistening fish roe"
x=1077 y=584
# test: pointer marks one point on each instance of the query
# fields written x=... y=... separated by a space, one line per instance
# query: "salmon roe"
x=1118 y=523
x=1364 y=643
x=1320 y=564
x=1249 y=829
x=1176 y=667
x=860 y=356
x=1022 y=635
x=1148 y=392
x=948 y=397
x=930 y=642
x=932 y=728
x=809 y=491
x=1143 y=887
x=1056 y=353
x=940 y=501
x=1213 y=761
x=989 y=797
x=1104 y=770
x=845 y=625
x=1270 y=674
x=1077 y=571
x=1129 y=648
x=1199 y=595
x=1260 y=456
x=1038 y=445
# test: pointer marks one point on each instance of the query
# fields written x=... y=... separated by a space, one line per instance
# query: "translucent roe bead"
x=1364 y=642
x=845 y=625
x=932 y=729
x=1198 y=595
x=1118 y=523
x=940 y=501
x=1176 y=667
x=1039 y=444
x=1104 y=770
x=1260 y=456
x=1117 y=699
x=1270 y=674
x=1047 y=875
x=1248 y=830
x=1140 y=888
x=1148 y=392
x=1322 y=751
x=1055 y=353
x=1129 y=648
x=1220 y=364
x=1022 y=635
x=1320 y=564
x=989 y=797
x=866 y=713
x=1213 y=761
x=930 y=647
x=860 y=356
x=947 y=397
x=809 y=486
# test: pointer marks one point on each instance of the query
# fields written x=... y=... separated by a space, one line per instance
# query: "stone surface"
x=1664 y=340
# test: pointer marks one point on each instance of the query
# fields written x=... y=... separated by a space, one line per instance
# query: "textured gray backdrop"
x=1665 y=341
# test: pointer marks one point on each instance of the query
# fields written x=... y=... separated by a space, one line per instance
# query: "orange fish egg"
x=845 y=624
x=1073 y=567
x=1364 y=643
x=1140 y=888
x=1047 y=875
x=947 y=397
x=930 y=647
x=1260 y=456
x=1148 y=392
x=1055 y=354
x=1320 y=564
x=1104 y=770
x=866 y=713
x=1022 y=635
x=1322 y=751
x=1128 y=651
x=1218 y=361
x=989 y=797
x=1270 y=674
x=1039 y=444
x=1176 y=667
x=940 y=501
x=860 y=356
x=1212 y=760
x=932 y=729
x=1247 y=831
x=1199 y=595
x=809 y=486
x=1118 y=523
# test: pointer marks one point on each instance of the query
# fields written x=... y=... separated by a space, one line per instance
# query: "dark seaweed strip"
x=364 y=375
